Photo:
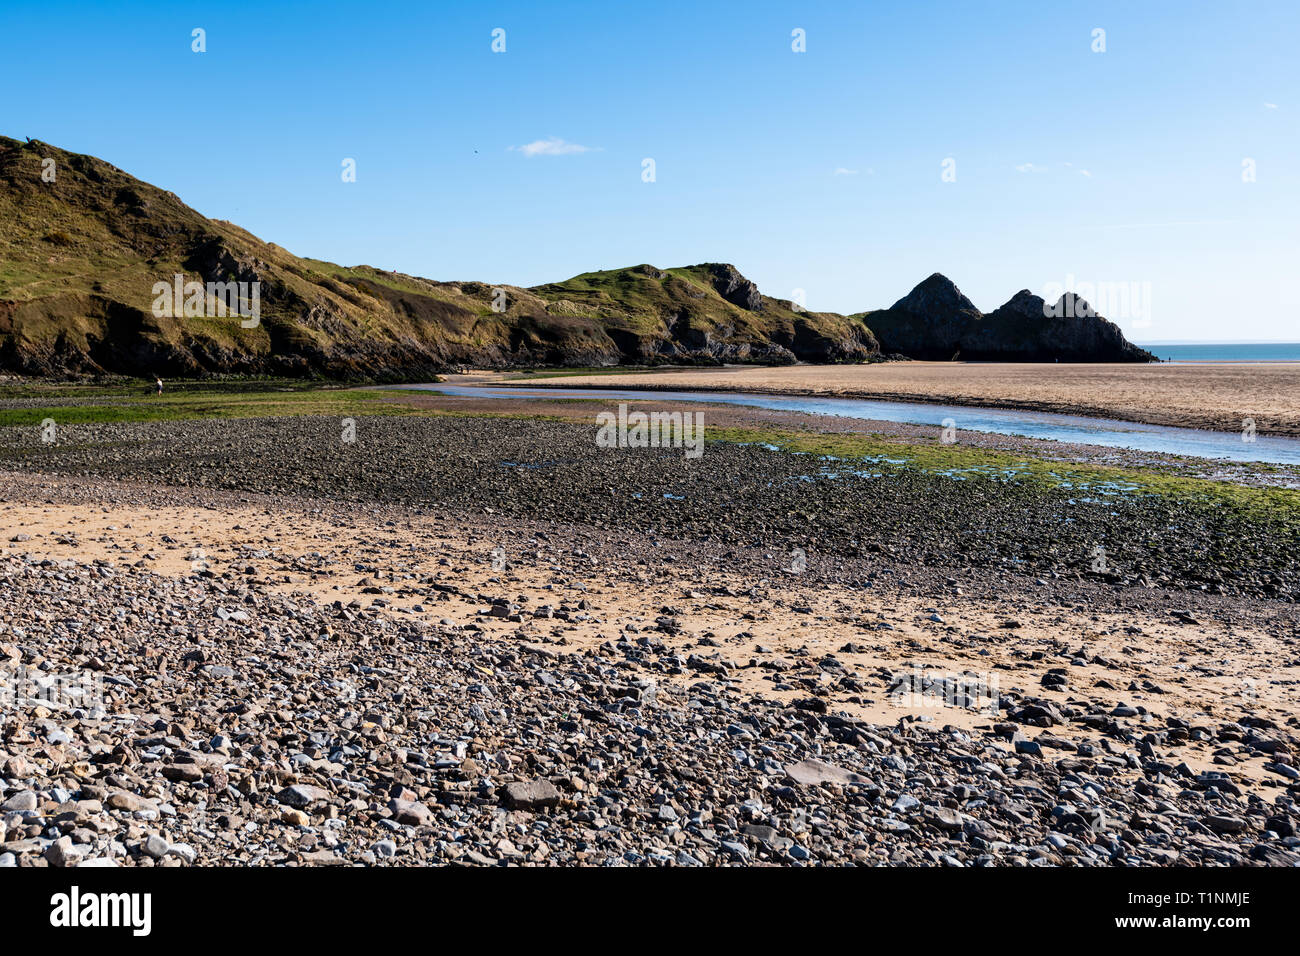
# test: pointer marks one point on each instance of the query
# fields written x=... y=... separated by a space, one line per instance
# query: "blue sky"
x=818 y=171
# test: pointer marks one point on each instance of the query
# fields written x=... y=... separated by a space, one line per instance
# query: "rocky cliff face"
x=936 y=295
x=734 y=287
x=935 y=321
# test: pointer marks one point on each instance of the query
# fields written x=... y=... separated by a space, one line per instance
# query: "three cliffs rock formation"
x=935 y=321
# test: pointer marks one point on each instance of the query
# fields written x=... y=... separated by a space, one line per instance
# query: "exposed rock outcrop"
x=936 y=295
x=734 y=287
x=935 y=321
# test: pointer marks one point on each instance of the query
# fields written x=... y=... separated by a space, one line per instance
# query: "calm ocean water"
x=1226 y=352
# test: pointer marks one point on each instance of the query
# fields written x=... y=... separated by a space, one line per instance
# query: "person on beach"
x=159 y=381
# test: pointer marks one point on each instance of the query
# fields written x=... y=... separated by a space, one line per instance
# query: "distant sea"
x=1224 y=352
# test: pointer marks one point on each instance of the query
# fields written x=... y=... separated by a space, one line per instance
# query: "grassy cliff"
x=80 y=253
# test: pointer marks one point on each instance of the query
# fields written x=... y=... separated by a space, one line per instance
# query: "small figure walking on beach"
x=159 y=381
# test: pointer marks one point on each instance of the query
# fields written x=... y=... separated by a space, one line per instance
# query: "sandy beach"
x=768 y=630
x=300 y=681
x=1213 y=396
x=485 y=639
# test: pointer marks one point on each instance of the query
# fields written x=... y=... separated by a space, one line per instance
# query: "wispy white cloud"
x=1029 y=168
x=554 y=146
x=1270 y=106
x=1084 y=172
x=841 y=171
